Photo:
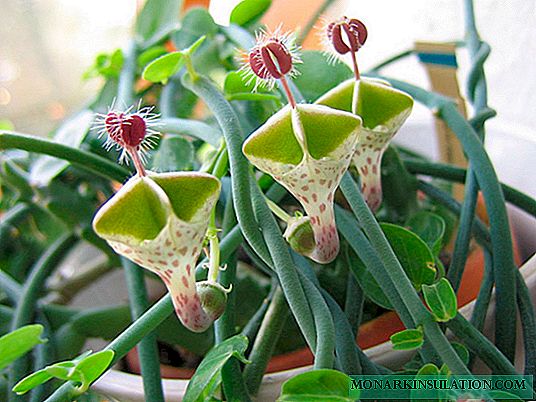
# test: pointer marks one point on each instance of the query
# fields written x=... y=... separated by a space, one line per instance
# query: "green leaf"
x=93 y=366
x=32 y=381
x=68 y=204
x=161 y=69
x=317 y=75
x=210 y=368
x=249 y=11
x=428 y=369
x=157 y=19
x=413 y=253
x=106 y=65
x=16 y=178
x=430 y=227
x=408 y=339
x=441 y=299
x=64 y=371
x=151 y=54
x=174 y=153
x=317 y=385
x=82 y=370
x=89 y=322
x=366 y=280
x=18 y=343
x=235 y=88
x=462 y=352
x=71 y=133
x=197 y=22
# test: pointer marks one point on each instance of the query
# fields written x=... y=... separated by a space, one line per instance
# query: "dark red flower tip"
x=125 y=130
x=133 y=130
x=347 y=35
x=271 y=60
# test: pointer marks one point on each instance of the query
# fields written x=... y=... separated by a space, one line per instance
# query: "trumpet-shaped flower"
x=383 y=110
x=307 y=149
x=159 y=222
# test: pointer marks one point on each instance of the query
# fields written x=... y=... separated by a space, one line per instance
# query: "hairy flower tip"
x=346 y=35
x=129 y=131
x=274 y=55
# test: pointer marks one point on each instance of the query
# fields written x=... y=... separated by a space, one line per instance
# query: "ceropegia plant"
x=382 y=108
x=159 y=221
x=306 y=148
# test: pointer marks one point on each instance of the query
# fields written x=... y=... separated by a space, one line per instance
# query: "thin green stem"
x=147 y=347
x=398 y=277
x=277 y=210
x=458 y=175
x=392 y=59
x=285 y=269
x=353 y=305
x=191 y=128
x=10 y=287
x=481 y=346
x=31 y=291
x=79 y=158
x=463 y=236
x=234 y=385
x=240 y=178
x=11 y=217
x=503 y=261
x=265 y=341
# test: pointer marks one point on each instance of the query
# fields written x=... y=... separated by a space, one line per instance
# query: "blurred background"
x=47 y=45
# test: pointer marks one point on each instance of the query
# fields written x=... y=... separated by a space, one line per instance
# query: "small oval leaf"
x=441 y=300
x=19 y=342
x=413 y=253
x=208 y=374
x=249 y=11
x=430 y=227
x=162 y=68
x=317 y=385
x=92 y=366
x=408 y=339
x=31 y=381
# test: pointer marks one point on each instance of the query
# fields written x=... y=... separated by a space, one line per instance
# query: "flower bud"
x=213 y=298
x=300 y=235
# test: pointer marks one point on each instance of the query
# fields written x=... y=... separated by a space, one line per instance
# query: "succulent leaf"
x=170 y=245
x=327 y=139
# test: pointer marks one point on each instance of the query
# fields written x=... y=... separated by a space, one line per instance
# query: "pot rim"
x=116 y=382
